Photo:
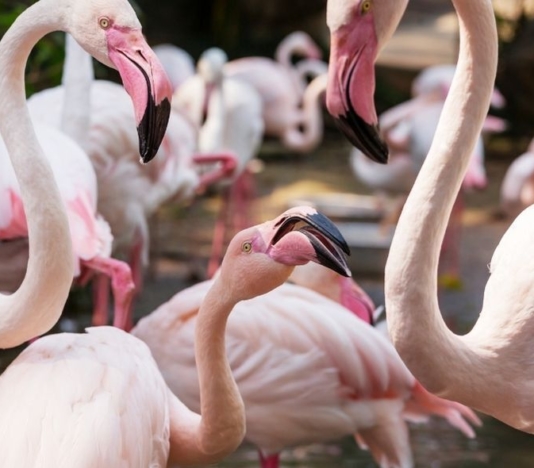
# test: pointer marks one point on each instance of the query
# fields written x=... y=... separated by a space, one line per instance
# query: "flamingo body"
x=294 y=354
x=129 y=193
x=101 y=386
x=91 y=236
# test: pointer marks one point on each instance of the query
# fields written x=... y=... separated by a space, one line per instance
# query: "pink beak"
x=147 y=84
x=351 y=86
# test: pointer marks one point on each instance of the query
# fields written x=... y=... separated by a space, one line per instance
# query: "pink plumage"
x=307 y=369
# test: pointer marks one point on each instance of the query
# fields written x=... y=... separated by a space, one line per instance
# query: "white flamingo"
x=233 y=124
x=288 y=113
x=489 y=368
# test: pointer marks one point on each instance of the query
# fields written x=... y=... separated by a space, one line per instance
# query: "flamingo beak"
x=351 y=86
x=302 y=234
x=147 y=84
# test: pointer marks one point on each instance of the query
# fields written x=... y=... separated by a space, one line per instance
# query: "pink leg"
x=228 y=164
x=219 y=235
x=243 y=191
x=271 y=461
x=122 y=286
x=100 y=300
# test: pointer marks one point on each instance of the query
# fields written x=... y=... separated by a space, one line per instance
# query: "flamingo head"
x=263 y=257
x=210 y=65
x=358 y=30
x=110 y=31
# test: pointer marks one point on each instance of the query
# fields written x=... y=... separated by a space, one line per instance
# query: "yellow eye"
x=246 y=247
x=366 y=6
x=104 y=23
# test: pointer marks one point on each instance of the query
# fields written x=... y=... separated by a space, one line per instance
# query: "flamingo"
x=341 y=289
x=129 y=194
x=517 y=188
x=178 y=64
x=408 y=128
x=281 y=89
x=67 y=397
x=91 y=236
x=233 y=124
x=51 y=264
x=296 y=43
x=489 y=368
x=307 y=369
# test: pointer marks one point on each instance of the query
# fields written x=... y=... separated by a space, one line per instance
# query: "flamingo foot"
x=270 y=461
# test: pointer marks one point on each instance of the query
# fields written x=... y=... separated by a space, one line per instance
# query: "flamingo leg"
x=100 y=300
x=243 y=193
x=122 y=286
x=225 y=169
x=270 y=461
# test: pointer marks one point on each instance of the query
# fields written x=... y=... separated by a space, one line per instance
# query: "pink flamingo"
x=233 y=124
x=308 y=371
x=288 y=115
x=67 y=397
x=50 y=246
x=338 y=288
x=91 y=236
x=489 y=367
x=129 y=193
x=517 y=188
x=408 y=129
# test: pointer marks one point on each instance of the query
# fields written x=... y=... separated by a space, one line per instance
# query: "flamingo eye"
x=104 y=22
x=366 y=6
x=246 y=247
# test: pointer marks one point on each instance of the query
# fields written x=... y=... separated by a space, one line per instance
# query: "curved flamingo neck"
x=306 y=134
x=36 y=306
x=290 y=46
x=222 y=423
x=431 y=351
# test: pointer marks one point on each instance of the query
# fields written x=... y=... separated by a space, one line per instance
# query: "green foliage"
x=46 y=59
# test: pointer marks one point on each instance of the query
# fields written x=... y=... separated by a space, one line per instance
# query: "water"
x=434 y=445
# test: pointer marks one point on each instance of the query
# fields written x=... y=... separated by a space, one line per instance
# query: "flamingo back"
x=292 y=352
x=109 y=407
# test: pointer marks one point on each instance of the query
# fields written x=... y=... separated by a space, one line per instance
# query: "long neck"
x=211 y=137
x=429 y=349
x=36 y=306
x=285 y=50
x=77 y=78
x=306 y=136
x=222 y=422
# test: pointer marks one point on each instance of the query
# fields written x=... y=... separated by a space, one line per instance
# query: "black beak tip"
x=152 y=128
x=322 y=222
x=364 y=136
x=147 y=154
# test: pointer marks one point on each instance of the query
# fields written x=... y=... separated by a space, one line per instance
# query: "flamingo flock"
x=279 y=346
